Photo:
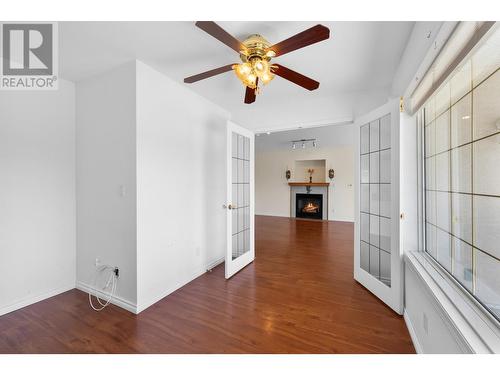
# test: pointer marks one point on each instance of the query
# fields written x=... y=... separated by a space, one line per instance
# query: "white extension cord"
x=111 y=282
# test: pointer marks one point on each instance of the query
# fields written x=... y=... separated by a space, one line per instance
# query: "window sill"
x=477 y=329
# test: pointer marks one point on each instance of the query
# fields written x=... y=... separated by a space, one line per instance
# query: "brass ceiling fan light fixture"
x=255 y=67
x=256 y=53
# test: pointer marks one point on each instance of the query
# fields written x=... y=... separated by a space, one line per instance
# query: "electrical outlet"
x=425 y=322
x=97 y=262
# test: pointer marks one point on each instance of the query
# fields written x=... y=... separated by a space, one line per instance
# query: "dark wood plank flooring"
x=298 y=296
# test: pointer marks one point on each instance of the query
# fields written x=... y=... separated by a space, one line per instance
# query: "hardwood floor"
x=298 y=296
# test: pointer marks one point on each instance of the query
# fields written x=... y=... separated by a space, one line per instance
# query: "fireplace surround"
x=308 y=188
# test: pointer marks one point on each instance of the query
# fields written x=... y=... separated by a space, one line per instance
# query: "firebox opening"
x=309 y=206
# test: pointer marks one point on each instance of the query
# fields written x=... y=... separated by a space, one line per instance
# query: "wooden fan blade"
x=310 y=36
x=207 y=74
x=295 y=77
x=250 y=95
x=220 y=34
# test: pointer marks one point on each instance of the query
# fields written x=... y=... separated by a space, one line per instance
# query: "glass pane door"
x=377 y=248
x=375 y=200
x=240 y=198
x=240 y=206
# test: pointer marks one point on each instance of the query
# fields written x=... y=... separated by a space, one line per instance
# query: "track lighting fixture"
x=304 y=143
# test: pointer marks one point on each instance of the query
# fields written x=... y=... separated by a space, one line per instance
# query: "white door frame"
x=233 y=266
x=392 y=296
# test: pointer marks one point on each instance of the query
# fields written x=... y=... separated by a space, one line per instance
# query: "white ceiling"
x=355 y=67
x=326 y=137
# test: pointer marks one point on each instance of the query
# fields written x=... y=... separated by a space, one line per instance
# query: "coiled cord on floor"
x=112 y=281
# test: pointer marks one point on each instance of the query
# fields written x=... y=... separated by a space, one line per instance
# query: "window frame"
x=480 y=308
x=476 y=326
x=470 y=322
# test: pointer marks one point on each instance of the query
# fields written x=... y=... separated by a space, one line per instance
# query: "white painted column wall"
x=37 y=195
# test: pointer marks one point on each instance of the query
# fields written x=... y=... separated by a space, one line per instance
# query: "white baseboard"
x=170 y=290
x=273 y=215
x=178 y=285
x=34 y=299
x=117 y=301
x=343 y=219
x=413 y=334
x=215 y=263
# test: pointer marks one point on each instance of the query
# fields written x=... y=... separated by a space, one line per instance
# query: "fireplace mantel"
x=309 y=183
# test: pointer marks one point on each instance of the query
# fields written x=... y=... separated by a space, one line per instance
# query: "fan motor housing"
x=256 y=48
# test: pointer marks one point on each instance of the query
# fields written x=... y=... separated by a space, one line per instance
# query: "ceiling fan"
x=256 y=54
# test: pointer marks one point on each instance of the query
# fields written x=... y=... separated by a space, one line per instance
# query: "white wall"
x=37 y=195
x=181 y=176
x=272 y=193
x=150 y=182
x=106 y=178
x=431 y=330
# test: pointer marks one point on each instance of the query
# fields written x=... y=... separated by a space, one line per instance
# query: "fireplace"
x=309 y=206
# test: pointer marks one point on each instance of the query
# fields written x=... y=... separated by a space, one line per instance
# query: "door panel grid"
x=240 y=195
x=375 y=199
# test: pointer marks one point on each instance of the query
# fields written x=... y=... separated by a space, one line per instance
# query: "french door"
x=377 y=251
x=240 y=199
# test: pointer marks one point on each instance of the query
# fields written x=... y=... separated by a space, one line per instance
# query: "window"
x=462 y=174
